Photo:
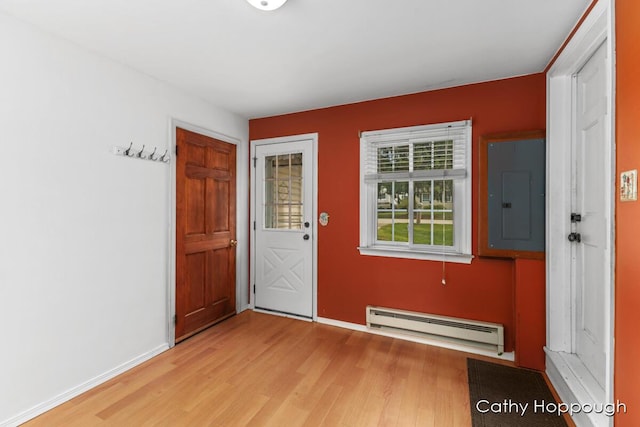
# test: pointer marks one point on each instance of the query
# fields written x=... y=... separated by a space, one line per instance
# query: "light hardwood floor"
x=257 y=369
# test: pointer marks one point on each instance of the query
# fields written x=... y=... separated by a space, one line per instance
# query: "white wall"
x=84 y=252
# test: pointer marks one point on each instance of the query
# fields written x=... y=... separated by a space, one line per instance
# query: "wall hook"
x=162 y=158
x=152 y=154
x=141 y=152
x=128 y=150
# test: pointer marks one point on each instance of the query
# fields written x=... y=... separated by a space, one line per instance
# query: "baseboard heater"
x=460 y=331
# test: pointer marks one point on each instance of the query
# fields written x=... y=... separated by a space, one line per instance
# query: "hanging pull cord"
x=444 y=281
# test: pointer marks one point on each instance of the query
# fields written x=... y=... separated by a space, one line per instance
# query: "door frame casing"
x=242 y=252
x=562 y=369
x=313 y=137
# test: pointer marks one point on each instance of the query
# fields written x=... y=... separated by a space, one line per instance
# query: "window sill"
x=404 y=253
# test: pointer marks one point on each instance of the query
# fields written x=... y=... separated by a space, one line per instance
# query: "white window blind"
x=433 y=151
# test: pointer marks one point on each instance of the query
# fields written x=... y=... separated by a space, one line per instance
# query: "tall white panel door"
x=589 y=201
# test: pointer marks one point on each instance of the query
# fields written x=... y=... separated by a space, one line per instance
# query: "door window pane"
x=283 y=207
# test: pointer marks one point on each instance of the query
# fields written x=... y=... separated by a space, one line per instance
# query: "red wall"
x=347 y=281
x=530 y=312
x=627 y=268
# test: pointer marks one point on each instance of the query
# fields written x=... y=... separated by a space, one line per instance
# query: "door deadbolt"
x=574 y=237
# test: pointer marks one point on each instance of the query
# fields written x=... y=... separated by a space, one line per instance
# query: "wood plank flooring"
x=262 y=370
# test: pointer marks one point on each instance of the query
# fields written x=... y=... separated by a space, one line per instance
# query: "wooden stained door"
x=205 y=232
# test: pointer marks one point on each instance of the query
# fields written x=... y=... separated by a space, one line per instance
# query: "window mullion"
x=290 y=184
x=410 y=214
x=393 y=211
x=372 y=213
x=431 y=223
x=276 y=195
x=433 y=155
x=410 y=204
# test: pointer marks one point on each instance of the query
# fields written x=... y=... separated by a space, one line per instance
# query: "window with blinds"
x=415 y=190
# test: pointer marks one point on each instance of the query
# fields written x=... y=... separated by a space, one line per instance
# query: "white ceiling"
x=312 y=53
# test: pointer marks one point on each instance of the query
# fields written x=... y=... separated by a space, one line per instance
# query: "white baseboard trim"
x=81 y=388
x=510 y=356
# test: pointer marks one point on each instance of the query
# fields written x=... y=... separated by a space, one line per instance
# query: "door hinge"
x=255 y=162
x=175 y=320
x=254 y=288
x=176 y=150
x=254 y=225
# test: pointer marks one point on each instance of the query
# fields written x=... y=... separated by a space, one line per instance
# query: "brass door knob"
x=233 y=243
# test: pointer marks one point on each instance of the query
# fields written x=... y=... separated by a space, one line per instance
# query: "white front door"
x=284 y=214
x=590 y=202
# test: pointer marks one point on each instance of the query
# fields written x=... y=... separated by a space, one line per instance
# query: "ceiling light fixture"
x=267 y=5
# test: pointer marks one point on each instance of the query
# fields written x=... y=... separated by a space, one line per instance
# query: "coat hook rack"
x=135 y=153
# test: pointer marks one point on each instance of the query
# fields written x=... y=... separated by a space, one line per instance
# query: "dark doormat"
x=502 y=396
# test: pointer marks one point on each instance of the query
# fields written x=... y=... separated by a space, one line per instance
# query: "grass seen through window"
x=442 y=233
